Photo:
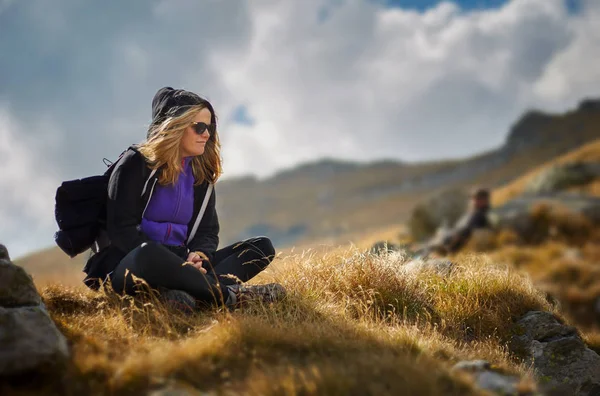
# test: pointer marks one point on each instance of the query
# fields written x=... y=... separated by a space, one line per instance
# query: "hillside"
x=587 y=153
x=396 y=331
x=330 y=198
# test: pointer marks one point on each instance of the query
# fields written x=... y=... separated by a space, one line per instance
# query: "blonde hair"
x=162 y=149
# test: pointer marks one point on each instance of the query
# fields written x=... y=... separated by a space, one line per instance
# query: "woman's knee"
x=136 y=261
x=149 y=250
x=266 y=247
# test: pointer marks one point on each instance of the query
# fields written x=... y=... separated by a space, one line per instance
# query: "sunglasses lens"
x=200 y=127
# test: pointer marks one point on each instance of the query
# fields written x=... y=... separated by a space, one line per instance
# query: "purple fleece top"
x=170 y=209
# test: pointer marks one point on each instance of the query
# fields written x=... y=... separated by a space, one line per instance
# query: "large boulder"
x=532 y=217
x=440 y=210
x=16 y=286
x=562 y=361
x=29 y=339
x=522 y=206
x=562 y=176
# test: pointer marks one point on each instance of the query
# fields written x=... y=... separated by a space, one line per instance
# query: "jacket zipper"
x=168 y=232
x=178 y=204
x=149 y=198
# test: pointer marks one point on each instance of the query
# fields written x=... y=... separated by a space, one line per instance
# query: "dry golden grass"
x=569 y=274
x=353 y=323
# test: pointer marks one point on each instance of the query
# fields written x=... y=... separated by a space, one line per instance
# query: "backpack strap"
x=201 y=213
x=146 y=184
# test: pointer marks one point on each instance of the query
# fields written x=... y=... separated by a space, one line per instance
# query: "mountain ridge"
x=326 y=197
x=522 y=134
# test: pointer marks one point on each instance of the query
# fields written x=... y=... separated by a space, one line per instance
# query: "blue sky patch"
x=573 y=6
x=240 y=116
x=422 y=5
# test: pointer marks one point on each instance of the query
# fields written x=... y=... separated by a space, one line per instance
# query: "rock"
x=442 y=209
x=4 y=253
x=529 y=130
x=438 y=265
x=488 y=378
x=576 y=203
x=562 y=176
x=380 y=247
x=516 y=215
x=177 y=389
x=29 y=340
x=16 y=286
x=591 y=105
x=572 y=254
x=562 y=361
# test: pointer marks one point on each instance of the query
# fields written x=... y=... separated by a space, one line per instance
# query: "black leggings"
x=158 y=266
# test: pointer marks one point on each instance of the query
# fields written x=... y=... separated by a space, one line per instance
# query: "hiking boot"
x=178 y=300
x=238 y=294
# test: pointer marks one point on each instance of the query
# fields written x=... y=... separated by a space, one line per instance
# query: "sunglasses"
x=200 y=127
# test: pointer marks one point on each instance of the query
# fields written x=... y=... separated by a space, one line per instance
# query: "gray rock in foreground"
x=563 y=363
x=489 y=379
x=382 y=247
x=29 y=339
x=440 y=266
x=16 y=286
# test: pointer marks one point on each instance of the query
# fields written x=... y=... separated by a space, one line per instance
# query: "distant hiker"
x=477 y=217
x=161 y=221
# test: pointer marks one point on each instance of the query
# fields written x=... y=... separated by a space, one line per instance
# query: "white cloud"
x=27 y=188
x=575 y=72
x=365 y=82
x=372 y=82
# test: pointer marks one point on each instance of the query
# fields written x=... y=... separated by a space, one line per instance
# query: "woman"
x=162 y=224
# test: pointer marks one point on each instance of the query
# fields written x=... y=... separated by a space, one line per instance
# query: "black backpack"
x=80 y=211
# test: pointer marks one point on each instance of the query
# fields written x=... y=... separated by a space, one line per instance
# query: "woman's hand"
x=195 y=259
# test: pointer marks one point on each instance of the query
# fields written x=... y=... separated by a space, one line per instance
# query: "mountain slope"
x=329 y=198
x=587 y=153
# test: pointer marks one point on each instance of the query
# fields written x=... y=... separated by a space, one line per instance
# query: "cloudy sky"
x=292 y=81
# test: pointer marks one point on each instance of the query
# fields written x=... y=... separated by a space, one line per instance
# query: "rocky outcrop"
x=563 y=363
x=440 y=210
x=589 y=105
x=529 y=130
x=382 y=247
x=440 y=266
x=562 y=176
x=4 y=253
x=16 y=287
x=29 y=339
x=489 y=378
x=518 y=214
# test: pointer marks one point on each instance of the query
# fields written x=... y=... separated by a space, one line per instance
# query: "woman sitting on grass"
x=161 y=218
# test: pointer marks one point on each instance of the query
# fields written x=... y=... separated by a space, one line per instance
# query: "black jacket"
x=125 y=206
